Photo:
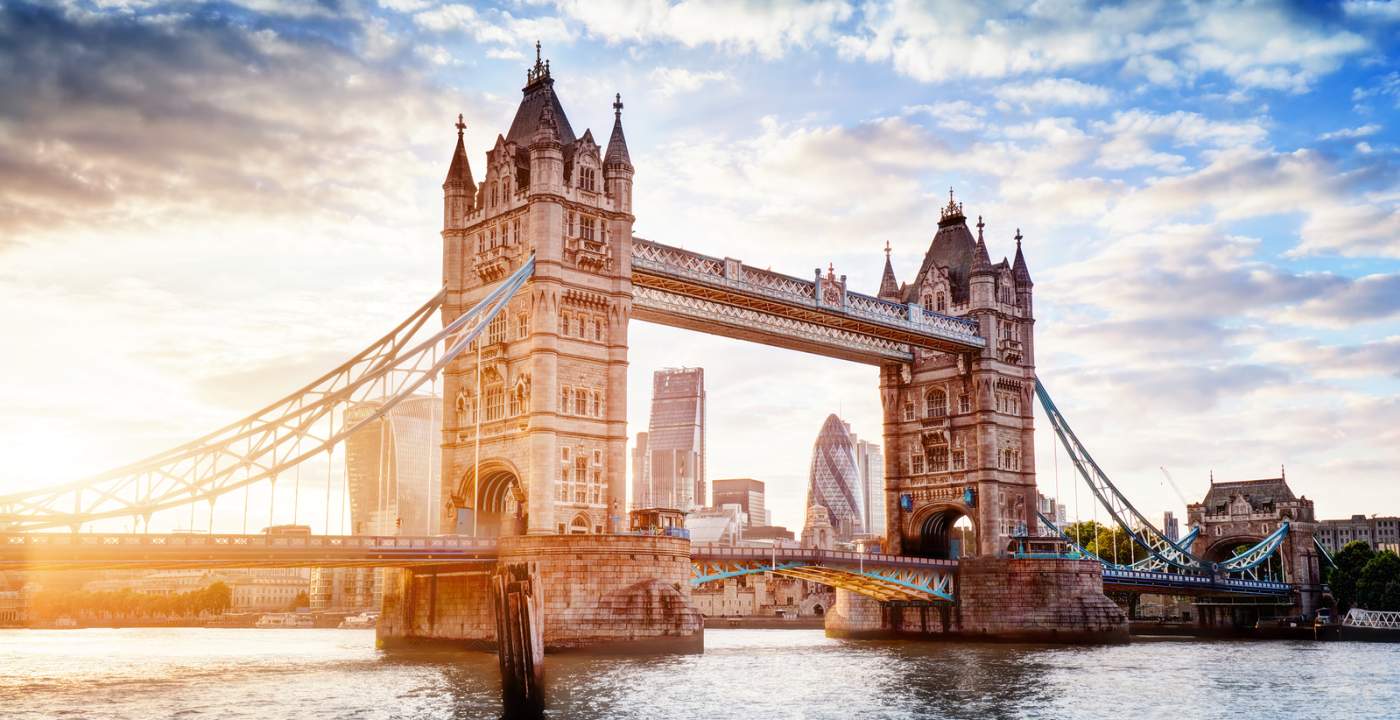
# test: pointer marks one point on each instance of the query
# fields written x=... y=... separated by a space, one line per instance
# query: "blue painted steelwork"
x=885 y=577
x=1259 y=554
x=1324 y=552
x=1144 y=533
x=1193 y=583
x=1152 y=563
x=738 y=570
x=1119 y=508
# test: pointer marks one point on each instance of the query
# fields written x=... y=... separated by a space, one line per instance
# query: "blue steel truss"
x=880 y=577
x=1119 y=508
x=273 y=440
x=1164 y=554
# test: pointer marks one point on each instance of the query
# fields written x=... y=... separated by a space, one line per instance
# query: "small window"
x=908 y=410
x=964 y=403
x=942 y=306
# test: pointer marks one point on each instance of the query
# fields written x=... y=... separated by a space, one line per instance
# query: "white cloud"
x=1247 y=183
x=495 y=27
x=670 y=81
x=1131 y=135
x=1352 y=133
x=956 y=115
x=763 y=28
x=1053 y=91
x=435 y=54
x=1168 y=43
x=405 y=6
x=1375 y=10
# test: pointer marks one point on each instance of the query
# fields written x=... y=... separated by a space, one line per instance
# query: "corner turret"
x=617 y=164
x=889 y=287
x=459 y=189
x=546 y=152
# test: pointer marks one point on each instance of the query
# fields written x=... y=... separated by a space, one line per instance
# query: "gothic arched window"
x=937 y=403
x=942 y=306
x=495 y=406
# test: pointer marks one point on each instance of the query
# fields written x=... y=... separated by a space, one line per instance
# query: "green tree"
x=1343 y=578
x=1373 y=590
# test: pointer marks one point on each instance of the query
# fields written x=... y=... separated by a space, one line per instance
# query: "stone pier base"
x=605 y=593
x=998 y=599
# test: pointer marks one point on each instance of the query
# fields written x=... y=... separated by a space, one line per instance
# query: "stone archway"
x=1224 y=548
x=937 y=532
x=501 y=496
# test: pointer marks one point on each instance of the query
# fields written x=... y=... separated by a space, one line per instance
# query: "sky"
x=205 y=205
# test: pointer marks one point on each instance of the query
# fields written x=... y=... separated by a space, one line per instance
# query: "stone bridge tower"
x=959 y=435
x=549 y=391
x=1242 y=513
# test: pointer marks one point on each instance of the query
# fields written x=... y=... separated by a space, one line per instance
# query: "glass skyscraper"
x=835 y=480
x=394 y=468
x=672 y=474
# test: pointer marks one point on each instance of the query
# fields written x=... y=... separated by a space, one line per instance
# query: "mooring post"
x=519 y=639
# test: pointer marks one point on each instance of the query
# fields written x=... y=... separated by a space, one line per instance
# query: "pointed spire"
x=889 y=287
x=982 y=262
x=460 y=170
x=617 y=144
x=1019 y=270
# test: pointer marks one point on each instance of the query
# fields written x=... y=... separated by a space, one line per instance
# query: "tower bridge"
x=542 y=275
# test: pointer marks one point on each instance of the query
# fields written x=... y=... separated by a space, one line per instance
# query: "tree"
x=300 y=601
x=1373 y=584
x=1343 y=578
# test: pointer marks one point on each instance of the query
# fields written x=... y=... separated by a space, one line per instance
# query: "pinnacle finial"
x=617 y=106
x=887 y=249
x=460 y=125
x=980 y=225
x=537 y=52
x=1018 y=237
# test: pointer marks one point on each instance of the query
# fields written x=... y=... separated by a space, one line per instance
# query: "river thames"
x=250 y=673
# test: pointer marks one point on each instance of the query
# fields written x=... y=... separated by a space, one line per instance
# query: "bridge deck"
x=722 y=296
x=889 y=577
x=109 y=551
x=1179 y=584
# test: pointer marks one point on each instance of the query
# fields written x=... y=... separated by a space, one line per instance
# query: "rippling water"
x=246 y=673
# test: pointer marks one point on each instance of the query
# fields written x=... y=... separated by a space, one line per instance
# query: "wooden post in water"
x=519 y=639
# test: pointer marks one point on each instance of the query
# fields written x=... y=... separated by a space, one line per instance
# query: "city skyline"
x=1269 y=324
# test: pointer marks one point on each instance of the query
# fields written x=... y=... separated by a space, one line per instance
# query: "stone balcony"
x=1010 y=349
x=494 y=263
x=588 y=254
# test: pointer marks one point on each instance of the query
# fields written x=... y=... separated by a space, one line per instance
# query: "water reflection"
x=153 y=673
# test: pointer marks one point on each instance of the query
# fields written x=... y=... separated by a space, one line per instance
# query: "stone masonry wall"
x=1036 y=600
x=601 y=592
x=997 y=599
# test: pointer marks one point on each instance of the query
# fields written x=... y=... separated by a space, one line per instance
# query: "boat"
x=1371 y=625
x=286 y=620
x=363 y=621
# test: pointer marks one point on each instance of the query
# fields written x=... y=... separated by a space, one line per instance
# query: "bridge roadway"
x=723 y=296
x=885 y=577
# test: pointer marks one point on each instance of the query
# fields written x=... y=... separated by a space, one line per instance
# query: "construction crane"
x=1179 y=496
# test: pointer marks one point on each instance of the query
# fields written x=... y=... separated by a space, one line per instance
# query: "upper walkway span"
x=723 y=296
